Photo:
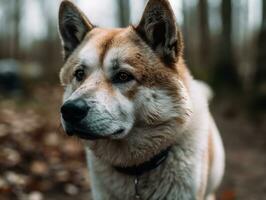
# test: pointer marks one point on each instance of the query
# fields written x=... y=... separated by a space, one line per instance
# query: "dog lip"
x=85 y=134
x=88 y=136
x=118 y=132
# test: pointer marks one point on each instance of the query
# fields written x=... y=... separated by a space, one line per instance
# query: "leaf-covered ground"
x=38 y=161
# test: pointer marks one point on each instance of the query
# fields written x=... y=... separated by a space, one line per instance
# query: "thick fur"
x=163 y=106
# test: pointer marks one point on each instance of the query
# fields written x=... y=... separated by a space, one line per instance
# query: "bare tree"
x=190 y=27
x=124 y=12
x=16 y=18
x=204 y=33
x=225 y=72
x=261 y=59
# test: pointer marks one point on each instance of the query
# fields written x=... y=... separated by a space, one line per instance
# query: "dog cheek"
x=148 y=112
x=126 y=109
x=123 y=109
x=153 y=106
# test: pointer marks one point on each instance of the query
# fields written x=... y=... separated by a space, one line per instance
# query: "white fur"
x=154 y=119
x=218 y=167
x=157 y=105
x=180 y=177
x=89 y=55
x=184 y=175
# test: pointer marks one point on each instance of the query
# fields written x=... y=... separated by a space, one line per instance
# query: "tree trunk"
x=124 y=12
x=261 y=59
x=225 y=72
x=204 y=33
x=259 y=92
x=16 y=18
x=192 y=45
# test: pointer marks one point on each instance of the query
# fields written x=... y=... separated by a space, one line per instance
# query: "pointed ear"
x=73 y=26
x=158 y=28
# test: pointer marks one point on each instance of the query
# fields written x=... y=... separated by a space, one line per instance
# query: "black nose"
x=74 y=111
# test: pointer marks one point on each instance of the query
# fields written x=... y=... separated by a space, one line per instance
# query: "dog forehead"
x=102 y=47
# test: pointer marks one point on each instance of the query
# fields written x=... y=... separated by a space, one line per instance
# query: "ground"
x=38 y=161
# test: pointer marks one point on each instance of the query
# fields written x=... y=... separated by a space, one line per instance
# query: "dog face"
x=125 y=89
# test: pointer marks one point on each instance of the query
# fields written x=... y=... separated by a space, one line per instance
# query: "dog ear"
x=158 y=28
x=73 y=26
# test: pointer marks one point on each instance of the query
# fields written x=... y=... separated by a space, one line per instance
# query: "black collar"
x=149 y=165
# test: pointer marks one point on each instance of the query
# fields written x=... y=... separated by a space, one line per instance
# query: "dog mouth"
x=84 y=135
x=90 y=135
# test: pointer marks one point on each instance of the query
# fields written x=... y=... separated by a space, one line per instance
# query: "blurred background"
x=225 y=45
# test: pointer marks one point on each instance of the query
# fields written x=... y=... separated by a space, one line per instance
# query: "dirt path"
x=245 y=144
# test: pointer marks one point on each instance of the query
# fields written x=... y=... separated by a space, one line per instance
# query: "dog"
x=143 y=119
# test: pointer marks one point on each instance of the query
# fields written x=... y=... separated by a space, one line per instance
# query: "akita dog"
x=144 y=120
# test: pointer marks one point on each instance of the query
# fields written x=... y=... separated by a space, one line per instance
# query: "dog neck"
x=145 y=167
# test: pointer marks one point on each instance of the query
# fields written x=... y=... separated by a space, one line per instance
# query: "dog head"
x=125 y=89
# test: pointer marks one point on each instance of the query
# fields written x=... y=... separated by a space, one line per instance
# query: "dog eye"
x=79 y=74
x=122 y=77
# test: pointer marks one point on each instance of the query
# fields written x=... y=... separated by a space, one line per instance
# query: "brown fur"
x=161 y=106
x=144 y=61
x=141 y=58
